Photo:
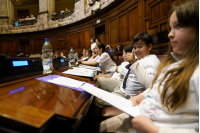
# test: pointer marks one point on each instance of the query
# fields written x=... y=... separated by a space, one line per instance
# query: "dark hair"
x=93 y=39
x=98 y=40
x=89 y=51
x=101 y=45
x=120 y=45
x=128 y=48
x=143 y=36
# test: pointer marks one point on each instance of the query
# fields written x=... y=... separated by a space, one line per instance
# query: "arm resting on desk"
x=89 y=63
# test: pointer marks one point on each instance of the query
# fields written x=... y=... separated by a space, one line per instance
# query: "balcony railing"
x=25 y=22
x=59 y=16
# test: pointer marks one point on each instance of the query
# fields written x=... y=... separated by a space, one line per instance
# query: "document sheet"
x=118 y=102
x=90 y=67
x=80 y=72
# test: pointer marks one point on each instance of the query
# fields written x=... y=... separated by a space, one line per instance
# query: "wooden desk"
x=31 y=105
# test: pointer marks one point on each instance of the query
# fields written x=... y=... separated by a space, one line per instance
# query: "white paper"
x=90 y=67
x=118 y=102
x=66 y=81
x=80 y=72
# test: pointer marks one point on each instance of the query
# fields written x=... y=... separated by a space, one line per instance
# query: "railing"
x=62 y=15
x=25 y=22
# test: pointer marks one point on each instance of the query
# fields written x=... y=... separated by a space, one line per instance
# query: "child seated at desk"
x=105 y=61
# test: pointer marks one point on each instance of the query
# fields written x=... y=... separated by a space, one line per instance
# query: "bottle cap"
x=46 y=39
x=71 y=47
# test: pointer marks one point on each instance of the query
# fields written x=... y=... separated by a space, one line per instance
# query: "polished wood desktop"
x=30 y=105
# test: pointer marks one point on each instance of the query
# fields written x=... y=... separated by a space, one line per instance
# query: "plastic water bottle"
x=76 y=56
x=47 y=57
x=71 y=57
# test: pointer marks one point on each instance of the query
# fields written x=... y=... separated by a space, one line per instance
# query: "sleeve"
x=176 y=130
x=145 y=92
x=103 y=58
x=95 y=59
x=143 y=77
x=194 y=82
x=122 y=69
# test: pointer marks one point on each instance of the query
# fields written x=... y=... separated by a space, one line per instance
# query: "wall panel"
x=113 y=31
x=123 y=28
x=86 y=39
x=133 y=23
x=158 y=10
x=80 y=43
x=4 y=47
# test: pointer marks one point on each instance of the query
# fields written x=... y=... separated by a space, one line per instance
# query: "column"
x=11 y=11
x=43 y=15
x=4 y=19
x=51 y=6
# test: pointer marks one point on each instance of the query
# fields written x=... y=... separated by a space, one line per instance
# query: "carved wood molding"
x=61 y=43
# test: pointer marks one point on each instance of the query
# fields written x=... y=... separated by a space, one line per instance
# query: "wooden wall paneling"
x=100 y=32
x=52 y=41
x=106 y=30
x=158 y=12
x=73 y=40
x=24 y=46
x=163 y=26
x=86 y=38
x=113 y=31
x=133 y=22
x=80 y=43
x=123 y=27
x=37 y=45
x=152 y=30
x=140 y=15
x=60 y=43
x=4 y=47
x=67 y=45
x=91 y=31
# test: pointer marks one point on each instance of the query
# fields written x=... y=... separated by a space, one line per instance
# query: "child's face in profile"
x=180 y=37
x=87 y=54
x=141 y=49
x=98 y=51
x=84 y=52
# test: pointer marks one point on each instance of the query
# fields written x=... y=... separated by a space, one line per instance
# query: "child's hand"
x=130 y=57
x=94 y=56
x=136 y=100
x=116 y=69
x=143 y=124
